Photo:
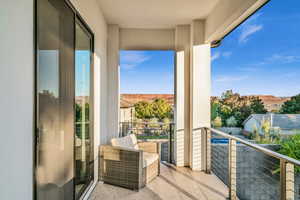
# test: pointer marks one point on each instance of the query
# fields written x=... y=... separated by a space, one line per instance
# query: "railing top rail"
x=257 y=147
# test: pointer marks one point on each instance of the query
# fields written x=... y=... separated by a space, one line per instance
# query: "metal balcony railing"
x=159 y=132
x=251 y=171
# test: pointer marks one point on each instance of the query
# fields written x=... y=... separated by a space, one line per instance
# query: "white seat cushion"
x=149 y=158
x=128 y=141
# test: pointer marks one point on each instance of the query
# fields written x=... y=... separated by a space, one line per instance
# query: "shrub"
x=291 y=148
x=217 y=122
x=231 y=122
x=166 y=120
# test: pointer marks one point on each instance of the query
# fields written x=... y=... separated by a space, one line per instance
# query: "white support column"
x=113 y=80
x=200 y=82
x=182 y=94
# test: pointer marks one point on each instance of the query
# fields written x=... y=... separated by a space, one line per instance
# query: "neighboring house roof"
x=284 y=121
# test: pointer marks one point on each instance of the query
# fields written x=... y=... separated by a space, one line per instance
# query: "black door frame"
x=81 y=23
x=77 y=19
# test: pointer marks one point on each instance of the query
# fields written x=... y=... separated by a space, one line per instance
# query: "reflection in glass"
x=83 y=142
x=55 y=101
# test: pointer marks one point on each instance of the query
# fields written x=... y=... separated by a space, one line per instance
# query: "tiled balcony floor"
x=172 y=184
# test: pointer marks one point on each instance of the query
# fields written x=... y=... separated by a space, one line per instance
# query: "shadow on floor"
x=193 y=179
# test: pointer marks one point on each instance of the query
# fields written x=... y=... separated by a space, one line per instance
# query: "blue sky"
x=262 y=56
x=82 y=72
x=147 y=72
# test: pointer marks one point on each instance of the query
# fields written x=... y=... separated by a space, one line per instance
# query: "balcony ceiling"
x=155 y=13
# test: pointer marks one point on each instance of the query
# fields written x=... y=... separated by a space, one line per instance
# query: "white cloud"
x=215 y=56
x=279 y=59
x=226 y=79
x=131 y=59
x=282 y=58
x=218 y=55
x=249 y=28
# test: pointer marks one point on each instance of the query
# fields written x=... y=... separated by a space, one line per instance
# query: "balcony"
x=41 y=38
x=235 y=169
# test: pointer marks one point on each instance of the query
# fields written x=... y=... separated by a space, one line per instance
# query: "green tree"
x=143 y=110
x=161 y=109
x=225 y=112
x=240 y=107
x=227 y=94
x=215 y=106
x=291 y=106
x=257 y=106
x=78 y=112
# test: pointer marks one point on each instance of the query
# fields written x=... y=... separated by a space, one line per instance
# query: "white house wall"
x=251 y=125
x=17 y=87
x=147 y=39
x=17 y=99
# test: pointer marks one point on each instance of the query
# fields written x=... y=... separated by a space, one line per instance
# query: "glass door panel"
x=83 y=116
x=55 y=101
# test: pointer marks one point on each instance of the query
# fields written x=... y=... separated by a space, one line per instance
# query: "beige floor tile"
x=173 y=184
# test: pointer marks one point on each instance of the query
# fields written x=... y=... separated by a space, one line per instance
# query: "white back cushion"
x=134 y=141
x=128 y=141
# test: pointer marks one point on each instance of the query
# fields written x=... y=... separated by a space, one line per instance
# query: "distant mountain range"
x=128 y=100
x=272 y=103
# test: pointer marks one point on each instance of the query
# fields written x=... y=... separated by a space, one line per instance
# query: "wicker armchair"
x=131 y=168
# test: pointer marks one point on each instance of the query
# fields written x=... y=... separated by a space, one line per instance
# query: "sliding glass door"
x=83 y=104
x=64 y=136
x=55 y=101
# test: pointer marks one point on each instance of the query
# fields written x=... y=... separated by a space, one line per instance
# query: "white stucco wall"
x=16 y=102
x=147 y=39
x=17 y=88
